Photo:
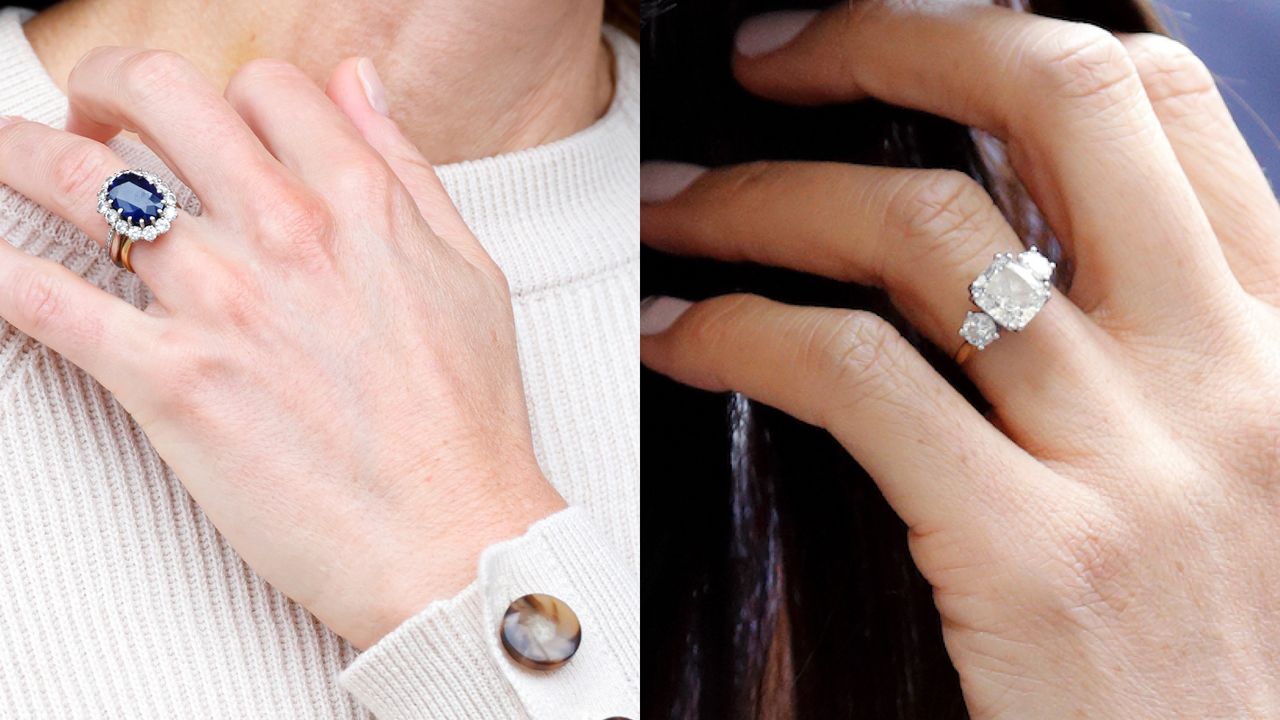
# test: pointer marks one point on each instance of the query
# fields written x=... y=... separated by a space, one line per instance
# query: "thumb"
x=356 y=89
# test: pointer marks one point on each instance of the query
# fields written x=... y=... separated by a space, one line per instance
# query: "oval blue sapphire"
x=136 y=198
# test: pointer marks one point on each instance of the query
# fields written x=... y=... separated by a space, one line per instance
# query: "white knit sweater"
x=119 y=599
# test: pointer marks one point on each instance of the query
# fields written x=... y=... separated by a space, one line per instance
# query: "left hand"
x=329 y=365
x=1106 y=544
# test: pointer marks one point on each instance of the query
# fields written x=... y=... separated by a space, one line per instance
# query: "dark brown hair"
x=623 y=14
x=776 y=580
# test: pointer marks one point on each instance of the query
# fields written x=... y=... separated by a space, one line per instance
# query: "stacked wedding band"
x=137 y=206
x=1010 y=292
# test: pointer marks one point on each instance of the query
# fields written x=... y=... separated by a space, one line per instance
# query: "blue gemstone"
x=136 y=199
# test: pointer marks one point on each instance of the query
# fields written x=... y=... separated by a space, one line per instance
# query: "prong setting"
x=126 y=221
x=1010 y=293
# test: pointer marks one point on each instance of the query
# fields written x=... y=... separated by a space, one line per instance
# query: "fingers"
x=357 y=90
x=923 y=235
x=1222 y=169
x=93 y=329
x=63 y=173
x=852 y=374
x=301 y=127
x=1066 y=97
x=163 y=98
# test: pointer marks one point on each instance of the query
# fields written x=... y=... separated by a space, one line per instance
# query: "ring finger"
x=63 y=173
x=922 y=235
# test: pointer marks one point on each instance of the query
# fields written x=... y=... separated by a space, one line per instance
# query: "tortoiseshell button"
x=540 y=632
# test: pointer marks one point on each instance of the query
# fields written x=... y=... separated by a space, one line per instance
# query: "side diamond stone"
x=1038 y=264
x=979 y=330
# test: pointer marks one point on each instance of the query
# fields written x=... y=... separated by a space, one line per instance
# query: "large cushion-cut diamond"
x=137 y=200
x=1013 y=289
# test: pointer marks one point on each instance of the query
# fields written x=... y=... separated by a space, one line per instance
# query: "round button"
x=540 y=632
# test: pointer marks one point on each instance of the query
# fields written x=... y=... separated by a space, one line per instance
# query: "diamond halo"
x=148 y=228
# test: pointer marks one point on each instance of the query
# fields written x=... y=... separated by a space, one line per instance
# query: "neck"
x=465 y=79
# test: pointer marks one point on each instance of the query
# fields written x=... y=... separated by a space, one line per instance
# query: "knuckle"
x=192 y=374
x=945 y=213
x=1170 y=71
x=77 y=171
x=363 y=175
x=299 y=225
x=38 y=300
x=1080 y=62
x=857 y=353
x=259 y=72
x=240 y=302
x=153 y=73
x=716 y=323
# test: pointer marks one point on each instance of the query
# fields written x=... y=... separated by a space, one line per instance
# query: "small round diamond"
x=112 y=216
x=162 y=225
x=979 y=330
x=134 y=233
x=149 y=233
x=122 y=226
x=170 y=212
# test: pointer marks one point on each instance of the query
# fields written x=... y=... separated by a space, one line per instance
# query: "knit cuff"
x=447 y=661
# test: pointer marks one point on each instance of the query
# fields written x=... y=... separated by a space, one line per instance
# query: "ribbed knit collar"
x=551 y=215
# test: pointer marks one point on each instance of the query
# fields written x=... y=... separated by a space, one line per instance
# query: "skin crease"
x=464 y=79
x=353 y=422
x=1108 y=545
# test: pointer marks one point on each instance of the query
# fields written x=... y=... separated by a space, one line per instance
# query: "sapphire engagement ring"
x=137 y=206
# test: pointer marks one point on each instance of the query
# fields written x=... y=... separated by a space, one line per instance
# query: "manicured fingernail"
x=659 y=312
x=373 y=89
x=766 y=33
x=661 y=181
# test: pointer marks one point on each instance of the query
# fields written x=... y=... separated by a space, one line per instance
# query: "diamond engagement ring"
x=1009 y=292
x=137 y=206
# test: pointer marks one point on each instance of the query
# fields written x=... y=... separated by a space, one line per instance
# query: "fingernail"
x=661 y=181
x=6 y=119
x=658 y=312
x=766 y=33
x=373 y=89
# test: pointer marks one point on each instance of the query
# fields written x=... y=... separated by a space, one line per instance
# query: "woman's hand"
x=1108 y=544
x=332 y=376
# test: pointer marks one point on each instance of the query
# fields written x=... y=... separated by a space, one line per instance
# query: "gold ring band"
x=120 y=246
x=124 y=254
x=964 y=353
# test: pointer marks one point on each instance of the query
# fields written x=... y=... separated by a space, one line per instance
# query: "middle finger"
x=1066 y=96
x=176 y=112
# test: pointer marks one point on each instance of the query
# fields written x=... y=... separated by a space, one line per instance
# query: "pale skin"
x=340 y=392
x=1107 y=542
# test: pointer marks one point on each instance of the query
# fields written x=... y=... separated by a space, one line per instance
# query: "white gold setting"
x=1010 y=292
x=148 y=230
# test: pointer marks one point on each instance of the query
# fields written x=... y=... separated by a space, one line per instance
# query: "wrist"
x=443 y=558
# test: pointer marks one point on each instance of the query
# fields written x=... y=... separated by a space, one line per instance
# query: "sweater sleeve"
x=448 y=661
